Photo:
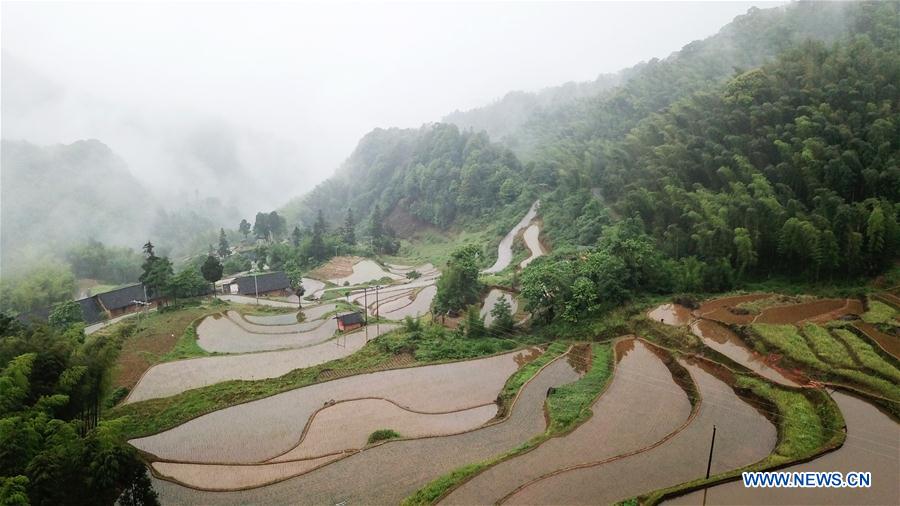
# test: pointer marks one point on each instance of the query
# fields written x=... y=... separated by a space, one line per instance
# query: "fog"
x=256 y=103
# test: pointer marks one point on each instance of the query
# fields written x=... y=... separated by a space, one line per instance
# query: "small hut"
x=349 y=321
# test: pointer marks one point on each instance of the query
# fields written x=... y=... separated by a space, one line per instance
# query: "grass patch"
x=879 y=313
x=526 y=372
x=383 y=435
x=826 y=347
x=570 y=405
x=186 y=346
x=868 y=356
x=784 y=338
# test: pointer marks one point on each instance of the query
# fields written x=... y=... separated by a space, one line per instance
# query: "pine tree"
x=224 y=251
x=347 y=232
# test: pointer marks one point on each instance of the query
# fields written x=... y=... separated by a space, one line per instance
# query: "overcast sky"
x=309 y=79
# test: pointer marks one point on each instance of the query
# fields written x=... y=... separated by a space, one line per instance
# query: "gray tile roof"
x=267 y=281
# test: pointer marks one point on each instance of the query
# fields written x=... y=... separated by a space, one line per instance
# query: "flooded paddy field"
x=642 y=405
x=417 y=306
x=222 y=334
x=170 y=378
x=250 y=300
x=671 y=314
x=744 y=436
x=363 y=271
x=504 y=249
x=284 y=328
x=873 y=444
x=887 y=342
x=725 y=341
x=387 y=473
x=267 y=428
x=531 y=237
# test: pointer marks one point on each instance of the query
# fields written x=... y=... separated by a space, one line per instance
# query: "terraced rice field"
x=504 y=249
x=221 y=334
x=285 y=322
x=531 y=238
x=492 y=297
x=243 y=299
x=873 y=444
x=387 y=473
x=744 y=436
x=887 y=342
x=418 y=306
x=726 y=342
x=363 y=271
x=671 y=314
x=642 y=405
x=170 y=378
x=274 y=425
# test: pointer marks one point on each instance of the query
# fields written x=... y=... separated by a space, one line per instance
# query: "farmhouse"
x=115 y=303
x=268 y=283
x=349 y=321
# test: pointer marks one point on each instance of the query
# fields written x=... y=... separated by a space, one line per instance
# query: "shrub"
x=383 y=435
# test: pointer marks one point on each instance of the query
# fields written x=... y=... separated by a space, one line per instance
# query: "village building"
x=349 y=321
x=267 y=283
x=125 y=300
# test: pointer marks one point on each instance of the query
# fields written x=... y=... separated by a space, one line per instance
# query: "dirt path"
x=873 y=444
x=170 y=378
x=642 y=405
x=387 y=473
x=504 y=249
x=744 y=436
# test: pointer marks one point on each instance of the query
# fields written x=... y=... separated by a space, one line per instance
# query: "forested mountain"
x=503 y=118
x=436 y=173
x=59 y=195
x=570 y=127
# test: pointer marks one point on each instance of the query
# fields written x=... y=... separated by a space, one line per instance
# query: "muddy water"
x=531 y=237
x=743 y=436
x=256 y=328
x=504 y=249
x=642 y=405
x=816 y=310
x=387 y=473
x=225 y=336
x=225 y=477
x=492 y=297
x=263 y=429
x=273 y=320
x=366 y=270
x=347 y=425
x=170 y=378
x=726 y=342
x=671 y=314
x=873 y=444
x=720 y=309
x=888 y=343
x=418 y=307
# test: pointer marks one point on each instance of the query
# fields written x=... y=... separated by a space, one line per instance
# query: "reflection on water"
x=671 y=314
x=726 y=342
x=873 y=444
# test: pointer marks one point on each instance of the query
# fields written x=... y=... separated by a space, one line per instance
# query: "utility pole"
x=256 y=288
x=377 y=314
x=709 y=462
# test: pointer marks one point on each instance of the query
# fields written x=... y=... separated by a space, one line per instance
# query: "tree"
x=318 y=237
x=502 y=314
x=212 y=271
x=261 y=226
x=474 y=323
x=745 y=256
x=458 y=285
x=347 y=232
x=188 y=283
x=223 y=251
x=157 y=273
x=296 y=236
x=277 y=225
x=65 y=314
x=295 y=277
x=244 y=228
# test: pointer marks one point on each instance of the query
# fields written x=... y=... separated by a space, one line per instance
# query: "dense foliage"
x=53 y=448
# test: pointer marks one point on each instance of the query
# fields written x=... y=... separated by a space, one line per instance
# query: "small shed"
x=349 y=321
